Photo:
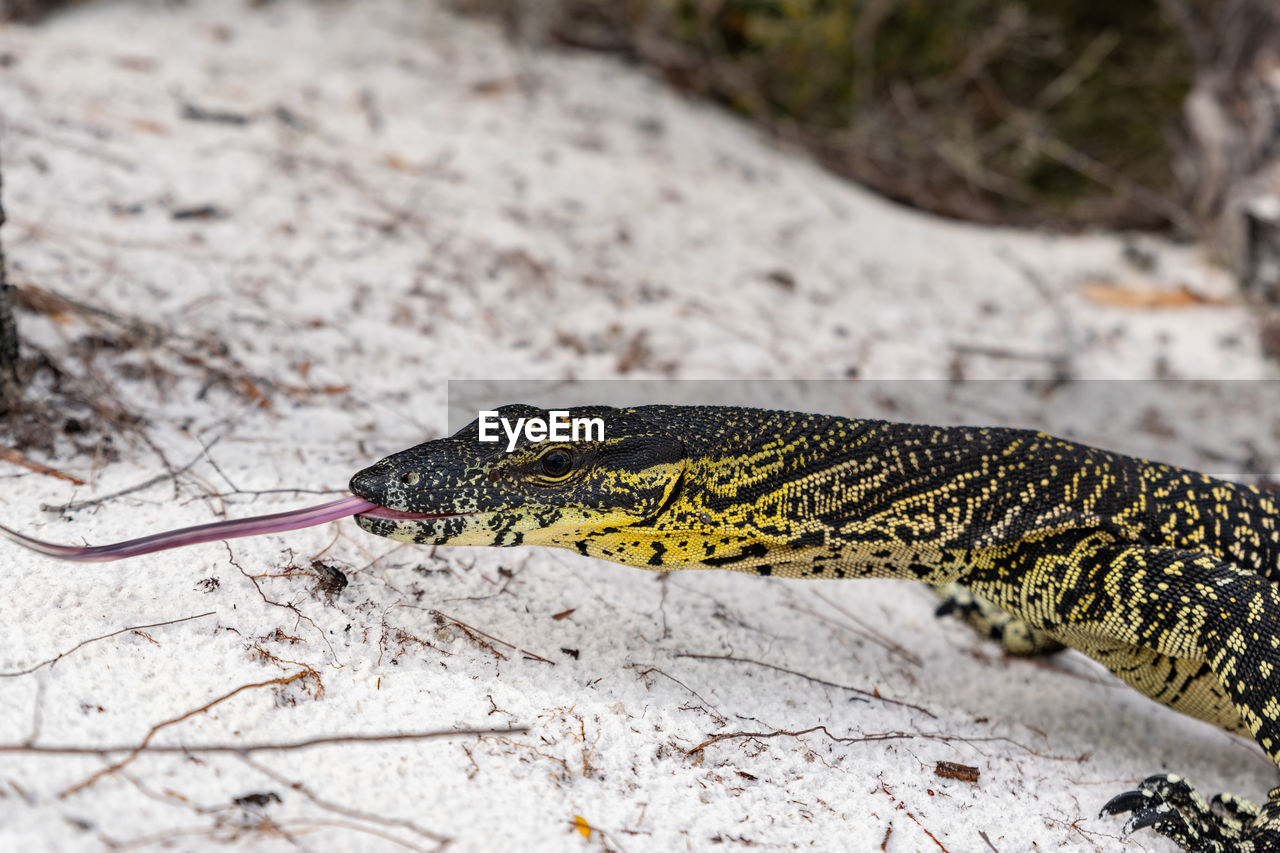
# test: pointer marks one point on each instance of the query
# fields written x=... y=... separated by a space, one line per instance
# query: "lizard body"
x=1166 y=576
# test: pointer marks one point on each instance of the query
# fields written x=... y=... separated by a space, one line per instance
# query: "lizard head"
x=505 y=480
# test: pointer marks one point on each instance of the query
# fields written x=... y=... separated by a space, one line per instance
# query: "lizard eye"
x=557 y=463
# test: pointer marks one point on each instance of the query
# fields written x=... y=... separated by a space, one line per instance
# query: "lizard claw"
x=1129 y=801
x=1171 y=807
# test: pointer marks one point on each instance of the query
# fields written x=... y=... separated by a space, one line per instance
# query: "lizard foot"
x=1225 y=824
x=1014 y=636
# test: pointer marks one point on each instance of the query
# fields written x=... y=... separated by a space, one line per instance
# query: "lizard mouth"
x=401 y=515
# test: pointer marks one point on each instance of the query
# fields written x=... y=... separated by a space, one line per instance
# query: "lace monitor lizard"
x=1165 y=576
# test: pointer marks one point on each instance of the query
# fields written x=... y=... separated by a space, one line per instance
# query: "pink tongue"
x=232 y=529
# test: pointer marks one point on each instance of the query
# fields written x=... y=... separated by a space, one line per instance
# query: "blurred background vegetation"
x=1029 y=112
x=1147 y=114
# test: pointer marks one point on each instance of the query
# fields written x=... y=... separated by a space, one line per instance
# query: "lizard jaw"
x=401 y=515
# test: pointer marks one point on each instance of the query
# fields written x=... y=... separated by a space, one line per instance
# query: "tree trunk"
x=10 y=389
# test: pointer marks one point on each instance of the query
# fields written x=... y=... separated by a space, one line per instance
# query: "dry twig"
x=870 y=694
x=241 y=748
x=12 y=456
x=882 y=736
x=135 y=751
x=53 y=660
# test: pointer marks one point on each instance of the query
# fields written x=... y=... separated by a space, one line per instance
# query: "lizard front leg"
x=1015 y=636
x=1219 y=622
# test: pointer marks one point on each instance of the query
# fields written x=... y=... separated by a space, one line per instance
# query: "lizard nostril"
x=368 y=485
x=409 y=478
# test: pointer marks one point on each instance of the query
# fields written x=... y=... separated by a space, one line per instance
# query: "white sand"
x=513 y=215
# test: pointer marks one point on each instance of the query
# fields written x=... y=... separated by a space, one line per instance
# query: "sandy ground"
x=399 y=198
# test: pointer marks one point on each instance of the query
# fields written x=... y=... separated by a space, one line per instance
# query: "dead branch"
x=338 y=808
x=253 y=579
x=706 y=706
x=137 y=487
x=12 y=456
x=269 y=828
x=254 y=388
x=952 y=770
x=135 y=751
x=902 y=807
x=241 y=748
x=555 y=759
x=882 y=736
x=471 y=630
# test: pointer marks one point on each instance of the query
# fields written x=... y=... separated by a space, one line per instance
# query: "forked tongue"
x=231 y=529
